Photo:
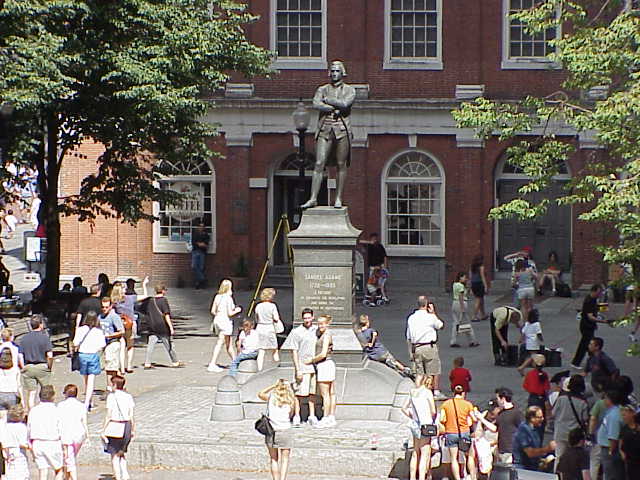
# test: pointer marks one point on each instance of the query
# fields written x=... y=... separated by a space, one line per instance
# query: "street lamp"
x=301 y=117
x=6 y=110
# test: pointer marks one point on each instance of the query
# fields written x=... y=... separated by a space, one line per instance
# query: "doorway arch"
x=550 y=232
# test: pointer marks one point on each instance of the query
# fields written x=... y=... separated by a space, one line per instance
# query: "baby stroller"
x=376 y=296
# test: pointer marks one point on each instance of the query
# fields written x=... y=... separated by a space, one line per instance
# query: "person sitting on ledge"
x=375 y=350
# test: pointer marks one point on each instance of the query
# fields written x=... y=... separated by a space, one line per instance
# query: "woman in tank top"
x=280 y=407
x=325 y=372
x=421 y=409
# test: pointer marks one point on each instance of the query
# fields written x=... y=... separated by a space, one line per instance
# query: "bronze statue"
x=333 y=137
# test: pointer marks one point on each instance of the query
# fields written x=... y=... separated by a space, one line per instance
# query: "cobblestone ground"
x=173 y=405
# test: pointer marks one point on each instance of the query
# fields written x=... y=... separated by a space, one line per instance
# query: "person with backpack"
x=570 y=411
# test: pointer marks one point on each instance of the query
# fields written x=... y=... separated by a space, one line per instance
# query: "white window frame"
x=521 y=63
x=413 y=250
x=163 y=245
x=426 y=63
x=298 y=63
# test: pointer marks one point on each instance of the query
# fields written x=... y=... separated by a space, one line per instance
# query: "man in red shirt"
x=460 y=375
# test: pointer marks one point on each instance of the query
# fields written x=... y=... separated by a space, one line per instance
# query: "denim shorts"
x=453 y=439
x=89 y=364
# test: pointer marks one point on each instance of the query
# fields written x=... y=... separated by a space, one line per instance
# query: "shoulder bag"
x=263 y=424
x=464 y=444
x=578 y=419
x=75 y=356
x=277 y=324
x=115 y=429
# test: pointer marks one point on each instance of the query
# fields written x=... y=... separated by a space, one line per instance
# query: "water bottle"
x=374 y=441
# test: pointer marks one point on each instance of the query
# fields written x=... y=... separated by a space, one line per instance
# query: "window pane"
x=299 y=28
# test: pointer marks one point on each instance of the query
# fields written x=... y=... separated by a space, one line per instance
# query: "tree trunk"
x=52 y=214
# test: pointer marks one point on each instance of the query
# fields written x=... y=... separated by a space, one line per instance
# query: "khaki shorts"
x=48 y=454
x=34 y=375
x=307 y=386
x=112 y=356
x=427 y=360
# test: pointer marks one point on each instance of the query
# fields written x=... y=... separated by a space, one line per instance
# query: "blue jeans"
x=197 y=265
x=235 y=363
x=612 y=465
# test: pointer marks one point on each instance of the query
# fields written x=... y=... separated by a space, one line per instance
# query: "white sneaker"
x=296 y=420
x=214 y=368
x=323 y=423
x=577 y=367
x=313 y=421
x=632 y=338
x=331 y=421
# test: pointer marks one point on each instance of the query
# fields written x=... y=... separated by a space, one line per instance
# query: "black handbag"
x=428 y=430
x=464 y=444
x=263 y=426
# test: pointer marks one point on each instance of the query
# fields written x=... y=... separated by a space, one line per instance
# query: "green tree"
x=598 y=49
x=130 y=74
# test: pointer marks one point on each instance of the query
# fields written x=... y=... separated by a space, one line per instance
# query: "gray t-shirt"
x=304 y=341
x=564 y=418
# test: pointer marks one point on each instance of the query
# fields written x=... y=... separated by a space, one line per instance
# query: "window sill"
x=409 y=65
x=530 y=64
x=175 y=247
x=300 y=64
x=418 y=251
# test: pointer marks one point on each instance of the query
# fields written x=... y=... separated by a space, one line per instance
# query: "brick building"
x=425 y=185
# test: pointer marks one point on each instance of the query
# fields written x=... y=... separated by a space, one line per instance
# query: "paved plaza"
x=174 y=405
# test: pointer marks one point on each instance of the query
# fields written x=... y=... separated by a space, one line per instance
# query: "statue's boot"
x=312 y=202
x=342 y=178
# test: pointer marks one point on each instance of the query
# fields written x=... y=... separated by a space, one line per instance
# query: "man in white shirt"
x=422 y=339
x=45 y=433
x=247 y=346
x=303 y=345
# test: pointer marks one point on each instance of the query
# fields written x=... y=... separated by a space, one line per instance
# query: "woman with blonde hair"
x=421 y=409
x=222 y=309
x=280 y=408
x=124 y=306
x=325 y=371
x=267 y=317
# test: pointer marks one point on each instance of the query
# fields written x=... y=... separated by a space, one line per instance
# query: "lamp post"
x=6 y=110
x=301 y=118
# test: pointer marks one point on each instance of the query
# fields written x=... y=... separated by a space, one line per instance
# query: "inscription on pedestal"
x=323 y=289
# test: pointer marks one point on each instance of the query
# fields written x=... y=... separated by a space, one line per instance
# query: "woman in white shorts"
x=421 y=409
x=525 y=278
x=280 y=407
x=222 y=309
x=325 y=372
x=267 y=316
x=73 y=418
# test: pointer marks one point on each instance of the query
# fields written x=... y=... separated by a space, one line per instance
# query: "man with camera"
x=422 y=339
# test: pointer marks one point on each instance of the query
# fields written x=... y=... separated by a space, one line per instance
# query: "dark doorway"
x=550 y=232
x=288 y=193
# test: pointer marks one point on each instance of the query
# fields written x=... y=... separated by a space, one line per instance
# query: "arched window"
x=413 y=203
x=196 y=182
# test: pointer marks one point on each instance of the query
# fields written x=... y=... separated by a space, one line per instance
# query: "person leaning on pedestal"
x=422 y=339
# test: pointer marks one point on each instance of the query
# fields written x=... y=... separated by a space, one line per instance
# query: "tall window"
x=413 y=37
x=298 y=33
x=523 y=49
x=195 y=183
x=414 y=202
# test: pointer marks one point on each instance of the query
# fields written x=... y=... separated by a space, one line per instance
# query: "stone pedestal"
x=323 y=249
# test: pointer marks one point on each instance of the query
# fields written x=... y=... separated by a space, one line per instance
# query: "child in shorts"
x=375 y=350
x=12 y=222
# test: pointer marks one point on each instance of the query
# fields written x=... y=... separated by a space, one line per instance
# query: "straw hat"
x=538 y=359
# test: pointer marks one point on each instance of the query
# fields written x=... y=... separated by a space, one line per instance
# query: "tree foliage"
x=130 y=74
x=599 y=49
